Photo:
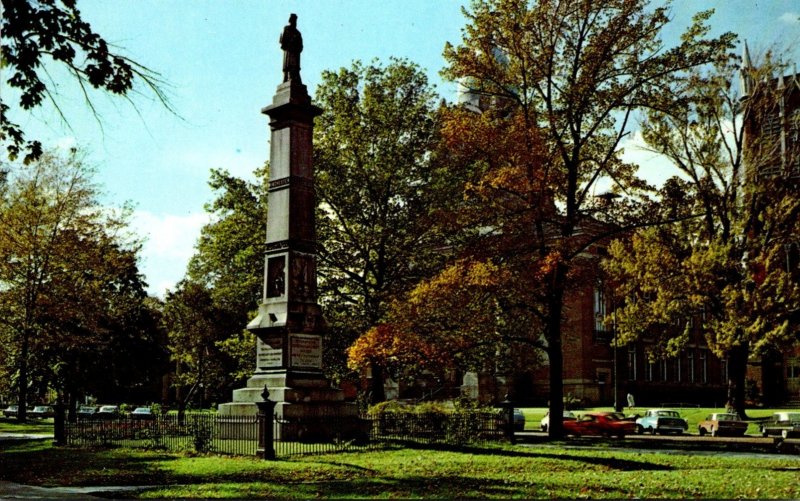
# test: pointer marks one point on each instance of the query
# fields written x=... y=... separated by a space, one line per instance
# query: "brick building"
x=594 y=368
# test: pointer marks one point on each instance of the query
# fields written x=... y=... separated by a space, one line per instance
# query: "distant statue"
x=292 y=44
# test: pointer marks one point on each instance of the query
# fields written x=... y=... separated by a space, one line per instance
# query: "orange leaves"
x=388 y=345
x=441 y=322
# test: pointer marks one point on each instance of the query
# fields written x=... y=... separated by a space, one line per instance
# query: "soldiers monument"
x=289 y=324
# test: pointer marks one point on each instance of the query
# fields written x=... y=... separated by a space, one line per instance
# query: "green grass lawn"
x=693 y=415
x=36 y=426
x=549 y=471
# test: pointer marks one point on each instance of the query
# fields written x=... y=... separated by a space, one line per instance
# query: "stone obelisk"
x=289 y=324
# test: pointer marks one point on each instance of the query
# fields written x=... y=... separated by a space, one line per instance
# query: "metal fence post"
x=266 y=412
x=508 y=405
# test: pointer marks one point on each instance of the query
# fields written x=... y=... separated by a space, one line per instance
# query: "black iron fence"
x=193 y=432
x=239 y=435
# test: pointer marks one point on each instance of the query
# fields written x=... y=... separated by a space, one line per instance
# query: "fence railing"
x=239 y=435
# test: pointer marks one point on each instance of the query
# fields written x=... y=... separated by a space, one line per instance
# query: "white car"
x=661 y=421
x=568 y=416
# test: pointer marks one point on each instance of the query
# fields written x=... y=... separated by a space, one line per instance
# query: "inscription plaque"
x=270 y=353
x=305 y=351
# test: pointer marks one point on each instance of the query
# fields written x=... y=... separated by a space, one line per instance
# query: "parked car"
x=10 y=411
x=545 y=422
x=722 y=423
x=143 y=413
x=42 y=411
x=87 y=411
x=661 y=421
x=785 y=424
x=107 y=412
x=519 y=420
x=600 y=423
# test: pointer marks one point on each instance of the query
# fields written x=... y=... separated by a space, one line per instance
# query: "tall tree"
x=39 y=33
x=65 y=266
x=207 y=314
x=564 y=76
x=376 y=187
x=726 y=268
x=196 y=327
x=229 y=256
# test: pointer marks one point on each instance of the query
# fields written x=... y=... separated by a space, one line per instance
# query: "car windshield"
x=668 y=414
x=793 y=416
x=727 y=417
x=141 y=410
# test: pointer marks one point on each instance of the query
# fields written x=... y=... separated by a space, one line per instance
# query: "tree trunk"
x=22 y=381
x=555 y=353
x=376 y=389
x=737 y=373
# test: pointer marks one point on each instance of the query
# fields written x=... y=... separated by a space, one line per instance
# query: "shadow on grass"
x=37 y=463
x=611 y=463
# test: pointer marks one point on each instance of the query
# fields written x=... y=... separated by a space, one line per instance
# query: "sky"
x=222 y=63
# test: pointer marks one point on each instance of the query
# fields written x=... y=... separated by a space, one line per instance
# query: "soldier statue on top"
x=292 y=44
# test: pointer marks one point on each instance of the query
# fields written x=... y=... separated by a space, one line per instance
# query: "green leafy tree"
x=206 y=315
x=195 y=328
x=229 y=260
x=37 y=34
x=68 y=275
x=563 y=77
x=727 y=268
x=377 y=188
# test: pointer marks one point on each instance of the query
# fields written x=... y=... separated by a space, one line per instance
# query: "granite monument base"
x=307 y=408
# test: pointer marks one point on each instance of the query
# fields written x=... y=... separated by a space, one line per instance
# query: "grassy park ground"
x=551 y=470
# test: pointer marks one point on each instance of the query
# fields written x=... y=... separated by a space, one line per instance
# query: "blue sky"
x=223 y=63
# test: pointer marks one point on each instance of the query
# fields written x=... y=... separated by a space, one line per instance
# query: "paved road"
x=10 y=491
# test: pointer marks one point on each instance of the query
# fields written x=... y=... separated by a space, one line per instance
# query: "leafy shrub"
x=435 y=422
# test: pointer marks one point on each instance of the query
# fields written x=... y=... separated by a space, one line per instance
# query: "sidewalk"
x=10 y=491
x=24 y=436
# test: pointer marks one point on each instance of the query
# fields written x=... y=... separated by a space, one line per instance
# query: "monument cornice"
x=285 y=182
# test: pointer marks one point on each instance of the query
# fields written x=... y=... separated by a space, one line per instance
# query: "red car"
x=600 y=423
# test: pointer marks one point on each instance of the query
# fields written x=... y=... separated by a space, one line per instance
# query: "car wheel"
x=785 y=434
x=764 y=432
x=701 y=431
x=652 y=431
x=544 y=428
x=639 y=429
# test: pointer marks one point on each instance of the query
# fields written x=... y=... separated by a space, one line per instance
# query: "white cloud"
x=168 y=246
x=653 y=167
x=790 y=18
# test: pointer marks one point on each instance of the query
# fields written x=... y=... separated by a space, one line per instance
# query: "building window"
x=650 y=371
x=690 y=365
x=678 y=372
x=632 y=363
x=771 y=127
x=793 y=370
x=599 y=310
x=724 y=369
x=664 y=370
x=704 y=365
